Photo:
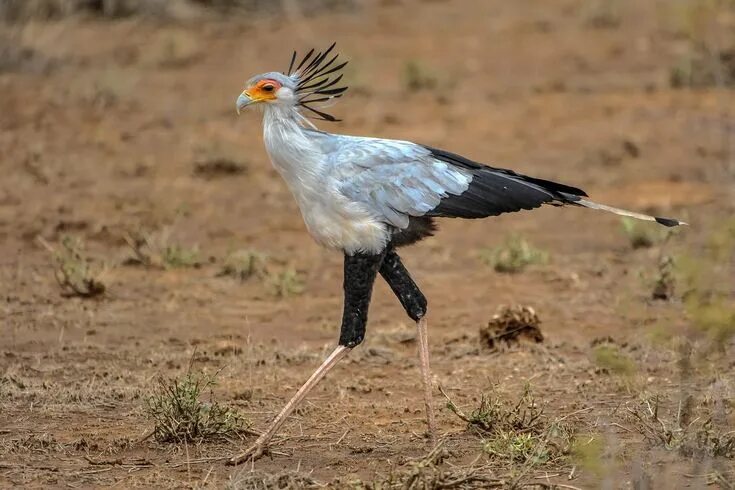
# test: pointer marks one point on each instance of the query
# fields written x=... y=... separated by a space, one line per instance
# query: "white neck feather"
x=292 y=149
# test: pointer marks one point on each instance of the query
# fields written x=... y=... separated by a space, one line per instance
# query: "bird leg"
x=426 y=376
x=414 y=302
x=261 y=444
x=360 y=271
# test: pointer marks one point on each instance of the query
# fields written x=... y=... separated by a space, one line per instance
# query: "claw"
x=254 y=452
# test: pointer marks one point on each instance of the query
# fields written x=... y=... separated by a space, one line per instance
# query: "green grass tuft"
x=672 y=429
x=73 y=272
x=642 y=235
x=157 y=250
x=244 y=264
x=609 y=358
x=664 y=284
x=286 y=283
x=179 y=414
x=517 y=431
x=177 y=256
x=416 y=76
x=513 y=256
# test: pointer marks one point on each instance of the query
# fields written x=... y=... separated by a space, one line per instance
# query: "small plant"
x=639 y=235
x=603 y=14
x=517 y=431
x=156 y=250
x=247 y=479
x=244 y=264
x=609 y=359
x=665 y=282
x=697 y=437
x=176 y=50
x=286 y=283
x=429 y=473
x=176 y=256
x=588 y=452
x=73 y=272
x=418 y=77
x=710 y=58
x=513 y=256
x=218 y=159
x=706 y=283
x=179 y=414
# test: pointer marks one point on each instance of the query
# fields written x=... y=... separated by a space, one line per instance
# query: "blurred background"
x=143 y=233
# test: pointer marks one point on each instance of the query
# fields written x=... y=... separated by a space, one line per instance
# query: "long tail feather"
x=624 y=212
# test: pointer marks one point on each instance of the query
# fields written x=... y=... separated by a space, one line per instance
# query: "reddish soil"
x=102 y=127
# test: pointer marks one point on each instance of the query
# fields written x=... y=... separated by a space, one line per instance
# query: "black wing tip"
x=566 y=192
x=669 y=222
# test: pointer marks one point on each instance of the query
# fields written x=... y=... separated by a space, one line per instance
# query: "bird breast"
x=331 y=218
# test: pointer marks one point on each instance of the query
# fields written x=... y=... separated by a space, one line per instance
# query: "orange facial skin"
x=263 y=91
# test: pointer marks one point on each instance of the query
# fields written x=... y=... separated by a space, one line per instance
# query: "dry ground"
x=114 y=127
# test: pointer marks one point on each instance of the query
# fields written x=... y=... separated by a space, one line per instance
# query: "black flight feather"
x=494 y=191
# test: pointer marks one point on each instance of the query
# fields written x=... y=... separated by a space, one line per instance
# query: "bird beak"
x=243 y=101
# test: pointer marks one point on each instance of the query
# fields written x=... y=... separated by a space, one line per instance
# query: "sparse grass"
x=664 y=285
x=417 y=76
x=517 y=432
x=698 y=68
x=244 y=264
x=218 y=159
x=286 y=283
x=611 y=360
x=157 y=250
x=513 y=256
x=218 y=166
x=260 y=480
x=715 y=316
x=179 y=414
x=175 y=49
x=72 y=269
x=429 y=473
x=603 y=14
x=698 y=437
x=710 y=58
x=587 y=452
x=177 y=256
x=107 y=88
x=706 y=281
x=642 y=235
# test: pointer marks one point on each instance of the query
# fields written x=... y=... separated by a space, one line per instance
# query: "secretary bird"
x=367 y=196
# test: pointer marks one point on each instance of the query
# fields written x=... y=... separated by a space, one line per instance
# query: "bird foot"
x=254 y=452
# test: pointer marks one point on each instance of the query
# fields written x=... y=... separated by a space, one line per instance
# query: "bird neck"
x=283 y=118
x=291 y=147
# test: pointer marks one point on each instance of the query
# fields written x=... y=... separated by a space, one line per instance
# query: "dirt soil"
x=110 y=128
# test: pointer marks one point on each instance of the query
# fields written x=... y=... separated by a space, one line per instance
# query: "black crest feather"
x=317 y=76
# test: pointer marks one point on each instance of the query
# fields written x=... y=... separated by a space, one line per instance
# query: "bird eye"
x=268 y=87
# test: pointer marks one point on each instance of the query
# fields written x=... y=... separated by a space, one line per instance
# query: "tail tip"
x=670 y=222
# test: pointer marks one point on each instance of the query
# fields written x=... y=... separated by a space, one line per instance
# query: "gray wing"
x=399 y=179
x=395 y=179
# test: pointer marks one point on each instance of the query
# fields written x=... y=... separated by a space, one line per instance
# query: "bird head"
x=310 y=82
